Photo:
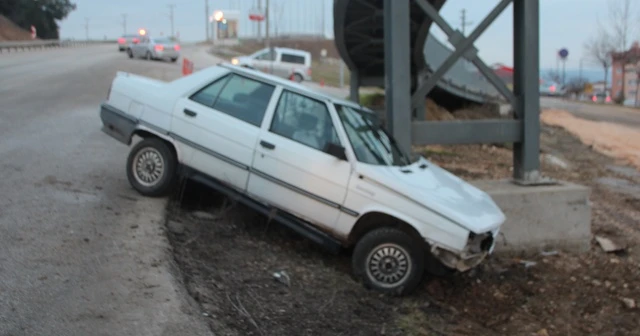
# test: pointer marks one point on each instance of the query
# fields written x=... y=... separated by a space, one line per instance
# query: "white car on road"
x=319 y=165
x=160 y=48
x=294 y=64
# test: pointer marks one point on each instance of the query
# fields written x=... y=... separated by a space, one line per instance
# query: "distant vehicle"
x=551 y=89
x=601 y=97
x=125 y=40
x=155 y=48
x=320 y=165
x=282 y=62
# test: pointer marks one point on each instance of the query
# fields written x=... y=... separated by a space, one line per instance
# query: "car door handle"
x=267 y=145
x=189 y=113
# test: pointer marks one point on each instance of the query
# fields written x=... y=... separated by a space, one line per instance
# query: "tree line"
x=42 y=14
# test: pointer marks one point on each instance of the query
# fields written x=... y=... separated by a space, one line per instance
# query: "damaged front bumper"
x=477 y=249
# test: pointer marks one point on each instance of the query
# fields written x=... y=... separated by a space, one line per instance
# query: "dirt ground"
x=229 y=255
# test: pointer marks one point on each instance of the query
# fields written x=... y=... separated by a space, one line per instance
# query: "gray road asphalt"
x=80 y=252
x=609 y=113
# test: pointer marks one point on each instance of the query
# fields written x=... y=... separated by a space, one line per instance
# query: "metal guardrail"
x=13 y=46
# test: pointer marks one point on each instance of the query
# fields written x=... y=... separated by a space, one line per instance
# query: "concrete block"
x=541 y=217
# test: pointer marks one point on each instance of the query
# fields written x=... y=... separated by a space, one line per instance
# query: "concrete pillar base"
x=541 y=218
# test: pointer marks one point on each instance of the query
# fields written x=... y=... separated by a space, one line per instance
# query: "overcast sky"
x=563 y=23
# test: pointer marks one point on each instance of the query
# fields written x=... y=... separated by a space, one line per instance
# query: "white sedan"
x=319 y=165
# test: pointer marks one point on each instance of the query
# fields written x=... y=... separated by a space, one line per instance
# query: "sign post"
x=563 y=54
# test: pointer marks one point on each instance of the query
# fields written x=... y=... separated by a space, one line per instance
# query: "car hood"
x=441 y=192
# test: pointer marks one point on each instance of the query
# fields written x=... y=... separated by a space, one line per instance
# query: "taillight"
x=608 y=99
x=176 y=47
x=136 y=40
x=121 y=40
x=594 y=98
x=159 y=47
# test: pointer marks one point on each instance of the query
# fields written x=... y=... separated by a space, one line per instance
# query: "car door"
x=138 y=48
x=264 y=60
x=221 y=123
x=291 y=169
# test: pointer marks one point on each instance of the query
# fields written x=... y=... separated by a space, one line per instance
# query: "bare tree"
x=598 y=50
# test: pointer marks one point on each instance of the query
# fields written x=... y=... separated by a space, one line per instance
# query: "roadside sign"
x=256 y=14
x=588 y=88
x=563 y=53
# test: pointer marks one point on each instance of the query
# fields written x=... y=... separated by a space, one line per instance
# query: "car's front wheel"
x=151 y=167
x=389 y=260
x=130 y=53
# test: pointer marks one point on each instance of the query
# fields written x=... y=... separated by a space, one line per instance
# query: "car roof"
x=290 y=85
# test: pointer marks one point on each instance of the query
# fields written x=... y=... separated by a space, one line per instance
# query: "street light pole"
x=206 y=17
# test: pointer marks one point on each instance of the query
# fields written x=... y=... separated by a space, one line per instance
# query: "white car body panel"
x=330 y=193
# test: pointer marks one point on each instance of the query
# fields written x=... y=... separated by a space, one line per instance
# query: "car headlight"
x=234 y=61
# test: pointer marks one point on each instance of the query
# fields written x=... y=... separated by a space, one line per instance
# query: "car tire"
x=130 y=53
x=151 y=167
x=174 y=59
x=297 y=78
x=147 y=56
x=401 y=256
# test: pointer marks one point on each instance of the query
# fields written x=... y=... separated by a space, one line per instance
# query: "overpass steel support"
x=401 y=101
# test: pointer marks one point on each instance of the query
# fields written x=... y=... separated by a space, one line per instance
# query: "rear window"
x=289 y=58
x=165 y=39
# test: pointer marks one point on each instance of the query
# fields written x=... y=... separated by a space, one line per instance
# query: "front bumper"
x=477 y=249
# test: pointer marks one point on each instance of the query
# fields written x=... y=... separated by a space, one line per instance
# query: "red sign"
x=33 y=32
x=256 y=14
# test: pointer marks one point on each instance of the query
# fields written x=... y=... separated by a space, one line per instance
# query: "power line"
x=464 y=22
x=171 y=7
x=124 y=23
x=86 y=27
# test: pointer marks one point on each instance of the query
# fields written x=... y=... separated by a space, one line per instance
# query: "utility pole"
x=124 y=23
x=266 y=21
x=464 y=22
x=206 y=15
x=260 y=23
x=171 y=7
x=322 y=17
x=86 y=27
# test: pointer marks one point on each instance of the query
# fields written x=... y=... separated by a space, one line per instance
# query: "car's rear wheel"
x=130 y=53
x=297 y=78
x=389 y=260
x=151 y=167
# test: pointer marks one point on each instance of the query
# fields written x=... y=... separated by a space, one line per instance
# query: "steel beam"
x=354 y=87
x=526 y=42
x=397 y=61
x=463 y=46
x=466 y=132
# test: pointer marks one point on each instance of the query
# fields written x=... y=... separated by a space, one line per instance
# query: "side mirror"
x=336 y=150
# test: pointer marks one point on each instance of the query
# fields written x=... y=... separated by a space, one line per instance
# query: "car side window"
x=208 y=95
x=304 y=120
x=289 y=58
x=268 y=55
x=245 y=99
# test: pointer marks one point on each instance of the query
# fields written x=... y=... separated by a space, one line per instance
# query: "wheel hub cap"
x=388 y=265
x=148 y=166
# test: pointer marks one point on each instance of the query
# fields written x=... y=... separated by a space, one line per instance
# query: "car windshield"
x=370 y=142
